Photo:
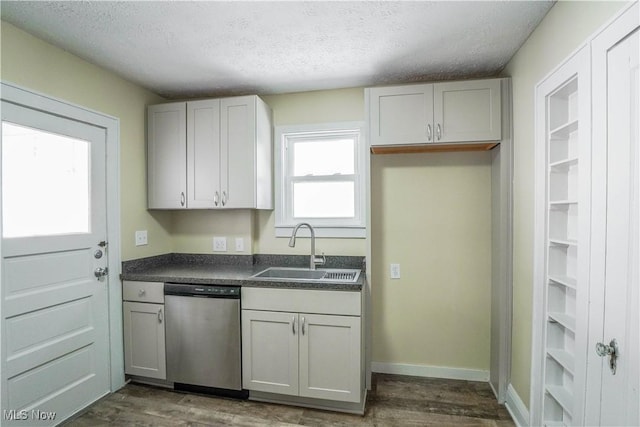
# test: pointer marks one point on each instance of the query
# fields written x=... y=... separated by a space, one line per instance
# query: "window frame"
x=324 y=227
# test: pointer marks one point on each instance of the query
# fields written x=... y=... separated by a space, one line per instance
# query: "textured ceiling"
x=206 y=48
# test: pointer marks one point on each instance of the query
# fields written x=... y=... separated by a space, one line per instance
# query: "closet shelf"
x=563 y=242
x=562 y=396
x=563 y=131
x=564 y=164
x=567 y=281
x=562 y=203
x=564 y=358
x=567 y=321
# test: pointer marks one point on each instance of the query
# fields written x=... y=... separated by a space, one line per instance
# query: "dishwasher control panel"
x=213 y=291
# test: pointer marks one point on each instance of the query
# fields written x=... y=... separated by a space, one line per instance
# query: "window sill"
x=324 y=232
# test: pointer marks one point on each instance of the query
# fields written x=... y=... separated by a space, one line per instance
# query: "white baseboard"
x=516 y=408
x=430 y=371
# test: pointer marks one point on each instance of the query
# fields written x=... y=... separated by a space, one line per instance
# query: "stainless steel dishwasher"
x=203 y=339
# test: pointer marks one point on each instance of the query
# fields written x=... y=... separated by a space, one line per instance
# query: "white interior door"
x=612 y=390
x=55 y=340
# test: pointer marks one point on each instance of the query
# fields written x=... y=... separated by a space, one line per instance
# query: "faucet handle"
x=320 y=260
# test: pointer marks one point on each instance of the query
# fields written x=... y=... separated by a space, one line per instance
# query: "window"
x=44 y=171
x=320 y=179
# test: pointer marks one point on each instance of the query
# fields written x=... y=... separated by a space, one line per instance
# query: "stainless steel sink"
x=288 y=274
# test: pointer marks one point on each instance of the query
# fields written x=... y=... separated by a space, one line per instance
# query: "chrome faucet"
x=314 y=260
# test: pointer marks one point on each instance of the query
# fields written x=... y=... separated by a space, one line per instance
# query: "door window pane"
x=323 y=200
x=45 y=183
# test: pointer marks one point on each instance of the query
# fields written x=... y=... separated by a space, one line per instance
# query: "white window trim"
x=352 y=229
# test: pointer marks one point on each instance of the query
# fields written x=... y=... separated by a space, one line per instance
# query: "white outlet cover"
x=219 y=244
x=394 y=271
x=141 y=237
x=239 y=244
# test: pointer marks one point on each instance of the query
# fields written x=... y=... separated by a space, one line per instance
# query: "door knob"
x=610 y=350
x=101 y=272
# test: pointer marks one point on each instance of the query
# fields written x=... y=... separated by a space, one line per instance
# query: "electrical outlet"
x=219 y=244
x=141 y=237
x=395 y=271
x=239 y=244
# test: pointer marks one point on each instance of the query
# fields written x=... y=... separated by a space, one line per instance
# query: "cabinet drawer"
x=143 y=291
x=302 y=301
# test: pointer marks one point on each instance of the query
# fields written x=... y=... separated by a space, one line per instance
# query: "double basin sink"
x=327 y=275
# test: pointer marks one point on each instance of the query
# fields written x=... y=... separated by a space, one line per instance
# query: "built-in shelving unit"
x=562 y=246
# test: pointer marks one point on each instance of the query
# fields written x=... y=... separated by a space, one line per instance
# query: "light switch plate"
x=141 y=237
x=394 y=271
x=219 y=244
x=239 y=244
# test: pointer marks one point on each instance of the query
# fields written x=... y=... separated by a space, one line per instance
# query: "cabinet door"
x=270 y=351
x=203 y=154
x=401 y=115
x=166 y=156
x=238 y=164
x=330 y=357
x=467 y=111
x=144 y=349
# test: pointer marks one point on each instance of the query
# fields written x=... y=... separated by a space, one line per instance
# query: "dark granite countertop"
x=236 y=270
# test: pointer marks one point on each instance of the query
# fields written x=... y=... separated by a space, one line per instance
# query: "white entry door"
x=613 y=368
x=55 y=340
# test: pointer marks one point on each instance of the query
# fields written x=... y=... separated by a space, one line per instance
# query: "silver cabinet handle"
x=182 y=200
x=141 y=292
x=439 y=132
x=303 y=321
x=215 y=198
x=160 y=316
x=224 y=198
x=428 y=132
x=293 y=325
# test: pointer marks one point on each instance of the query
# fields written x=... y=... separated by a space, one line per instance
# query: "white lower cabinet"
x=301 y=354
x=144 y=336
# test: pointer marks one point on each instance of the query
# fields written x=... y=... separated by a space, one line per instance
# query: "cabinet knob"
x=439 y=132
x=224 y=198
x=215 y=198
x=141 y=292
x=429 y=133
x=182 y=199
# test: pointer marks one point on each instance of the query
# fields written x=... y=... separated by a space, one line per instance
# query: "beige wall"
x=431 y=213
x=562 y=31
x=34 y=64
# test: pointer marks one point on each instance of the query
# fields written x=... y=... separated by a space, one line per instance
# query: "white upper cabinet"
x=203 y=153
x=166 y=155
x=467 y=111
x=219 y=156
x=401 y=115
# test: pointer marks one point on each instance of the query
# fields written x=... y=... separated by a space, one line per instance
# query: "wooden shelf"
x=562 y=396
x=564 y=358
x=563 y=131
x=564 y=164
x=433 y=148
x=562 y=203
x=567 y=281
x=568 y=322
x=563 y=242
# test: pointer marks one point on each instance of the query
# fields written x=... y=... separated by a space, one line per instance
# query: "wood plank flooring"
x=393 y=401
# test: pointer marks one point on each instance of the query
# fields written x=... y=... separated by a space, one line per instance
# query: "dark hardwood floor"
x=393 y=401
